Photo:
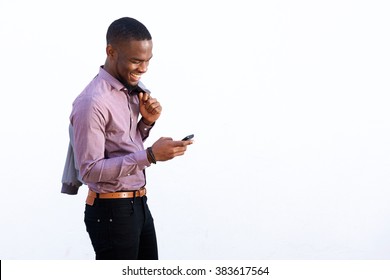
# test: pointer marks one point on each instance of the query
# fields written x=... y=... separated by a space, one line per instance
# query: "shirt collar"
x=110 y=79
x=117 y=84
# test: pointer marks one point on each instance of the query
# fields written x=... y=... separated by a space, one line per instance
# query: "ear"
x=110 y=51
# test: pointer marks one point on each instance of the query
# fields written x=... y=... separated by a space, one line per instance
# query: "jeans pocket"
x=98 y=227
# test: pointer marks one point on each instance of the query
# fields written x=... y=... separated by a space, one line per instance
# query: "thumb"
x=140 y=97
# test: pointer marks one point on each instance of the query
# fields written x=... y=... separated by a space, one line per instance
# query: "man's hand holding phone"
x=166 y=148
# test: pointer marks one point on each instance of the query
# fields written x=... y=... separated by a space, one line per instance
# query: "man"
x=111 y=119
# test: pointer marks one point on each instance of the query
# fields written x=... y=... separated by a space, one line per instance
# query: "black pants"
x=121 y=229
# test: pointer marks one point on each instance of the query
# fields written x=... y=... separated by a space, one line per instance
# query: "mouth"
x=135 y=77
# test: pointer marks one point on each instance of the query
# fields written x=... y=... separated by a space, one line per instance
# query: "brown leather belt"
x=115 y=195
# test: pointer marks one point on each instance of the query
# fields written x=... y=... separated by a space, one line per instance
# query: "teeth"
x=135 y=75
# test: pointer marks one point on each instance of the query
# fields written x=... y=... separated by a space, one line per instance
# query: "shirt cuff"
x=144 y=126
x=144 y=129
x=142 y=160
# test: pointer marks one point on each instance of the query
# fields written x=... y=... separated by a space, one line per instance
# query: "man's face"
x=130 y=60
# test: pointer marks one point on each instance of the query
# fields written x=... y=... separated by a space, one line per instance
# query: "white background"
x=288 y=100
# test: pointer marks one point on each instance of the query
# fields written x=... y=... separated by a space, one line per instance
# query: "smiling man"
x=111 y=119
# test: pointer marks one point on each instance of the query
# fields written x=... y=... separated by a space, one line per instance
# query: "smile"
x=135 y=76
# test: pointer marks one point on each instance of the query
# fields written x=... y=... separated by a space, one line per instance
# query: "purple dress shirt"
x=108 y=136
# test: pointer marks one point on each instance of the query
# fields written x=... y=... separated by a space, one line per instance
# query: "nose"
x=143 y=67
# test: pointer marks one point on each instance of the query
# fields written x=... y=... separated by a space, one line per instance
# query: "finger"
x=146 y=97
x=166 y=138
x=143 y=97
x=182 y=143
x=179 y=151
x=150 y=101
x=154 y=108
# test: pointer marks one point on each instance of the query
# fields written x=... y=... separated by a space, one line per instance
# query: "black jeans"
x=121 y=229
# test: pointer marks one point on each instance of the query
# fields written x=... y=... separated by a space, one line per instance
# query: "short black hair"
x=126 y=28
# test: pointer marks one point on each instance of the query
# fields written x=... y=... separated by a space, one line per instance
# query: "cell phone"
x=188 y=137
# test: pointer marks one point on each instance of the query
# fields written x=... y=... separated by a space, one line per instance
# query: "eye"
x=135 y=61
